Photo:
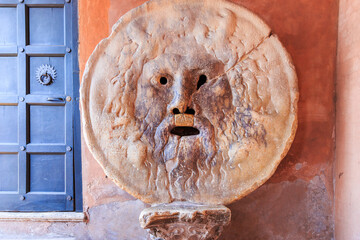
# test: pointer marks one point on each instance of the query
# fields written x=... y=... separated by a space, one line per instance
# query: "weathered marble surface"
x=183 y=221
x=244 y=111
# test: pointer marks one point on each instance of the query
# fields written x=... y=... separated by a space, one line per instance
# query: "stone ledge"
x=43 y=216
x=35 y=238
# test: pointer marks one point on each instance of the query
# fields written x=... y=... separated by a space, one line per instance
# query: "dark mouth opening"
x=184 y=131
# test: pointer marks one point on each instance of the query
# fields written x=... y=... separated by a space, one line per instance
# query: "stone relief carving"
x=189 y=101
x=211 y=70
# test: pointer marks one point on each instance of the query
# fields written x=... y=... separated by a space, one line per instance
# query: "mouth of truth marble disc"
x=189 y=101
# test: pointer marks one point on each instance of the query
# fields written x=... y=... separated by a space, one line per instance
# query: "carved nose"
x=181 y=98
x=179 y=104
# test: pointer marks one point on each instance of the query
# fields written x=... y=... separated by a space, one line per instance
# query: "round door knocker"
x=46 y=74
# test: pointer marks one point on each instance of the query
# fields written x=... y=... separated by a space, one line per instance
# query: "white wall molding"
x=43 y=216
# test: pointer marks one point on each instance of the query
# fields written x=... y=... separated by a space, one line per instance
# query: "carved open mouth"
x=184 y=131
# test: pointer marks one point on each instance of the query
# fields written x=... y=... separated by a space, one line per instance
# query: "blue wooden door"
x=37 y=103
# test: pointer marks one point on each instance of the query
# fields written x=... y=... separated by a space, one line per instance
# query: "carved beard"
x=182 y=168
x=194 y=163
x=188 y=160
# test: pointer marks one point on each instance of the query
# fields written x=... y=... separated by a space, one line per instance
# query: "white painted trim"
x=36 y=238
x=43 y=216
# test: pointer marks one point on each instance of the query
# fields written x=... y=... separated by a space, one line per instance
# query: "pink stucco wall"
x=347 y=174
x=297 y=202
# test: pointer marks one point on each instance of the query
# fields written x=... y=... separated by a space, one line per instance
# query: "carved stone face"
x=182 y=84
x=177 y=82
x=189 y=101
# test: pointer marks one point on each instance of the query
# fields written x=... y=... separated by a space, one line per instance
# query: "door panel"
x=8 y=30
x=42 y=180
x=47 y=124
x=9 y=172
x=58 y=84
x=37 y=100
x=46 y=26
x=8 y=124
x=8 y=75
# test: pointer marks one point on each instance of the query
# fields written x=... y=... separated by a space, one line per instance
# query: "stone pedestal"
x=185 y=221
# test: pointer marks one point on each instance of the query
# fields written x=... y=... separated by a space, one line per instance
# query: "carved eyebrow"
x=194 y=69
x=152 y=69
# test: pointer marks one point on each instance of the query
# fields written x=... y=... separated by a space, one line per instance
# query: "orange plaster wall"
x=297 y=202
x=347 y=174
x=93 y=26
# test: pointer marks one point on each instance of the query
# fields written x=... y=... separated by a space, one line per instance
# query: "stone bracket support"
x=183 y=220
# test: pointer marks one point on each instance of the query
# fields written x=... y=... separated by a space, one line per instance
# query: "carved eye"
x=163 y=80
x=202 y=81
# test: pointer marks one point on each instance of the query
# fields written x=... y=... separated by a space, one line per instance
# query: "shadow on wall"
x=289 y=210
